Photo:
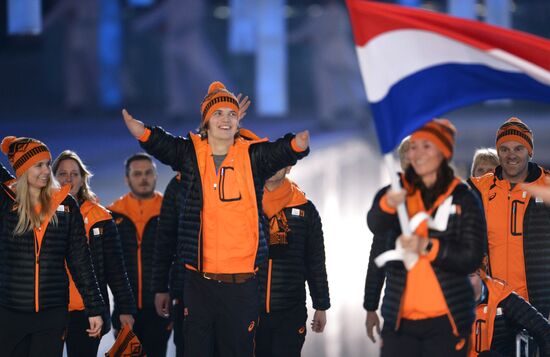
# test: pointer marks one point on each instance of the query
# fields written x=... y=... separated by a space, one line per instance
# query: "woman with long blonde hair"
x=106 y=252
x=41 y=231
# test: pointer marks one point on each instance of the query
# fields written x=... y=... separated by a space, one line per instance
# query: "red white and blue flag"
x=417 y=65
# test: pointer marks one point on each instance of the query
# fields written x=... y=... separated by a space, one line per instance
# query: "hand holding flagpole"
x=409 y=258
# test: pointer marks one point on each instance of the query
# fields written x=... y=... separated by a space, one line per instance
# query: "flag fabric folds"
x=417 y=65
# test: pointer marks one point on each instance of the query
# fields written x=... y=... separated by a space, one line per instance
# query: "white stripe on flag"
x=395 y=55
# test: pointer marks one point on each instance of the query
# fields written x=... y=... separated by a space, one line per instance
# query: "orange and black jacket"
x=266 y=159
x=106 y=251
x=500 y=315
x=33 y=275
x=374 y=281
x=302 y=258
x=526 y=218
x=168 y=267
x=459 y=253
x=138 y=255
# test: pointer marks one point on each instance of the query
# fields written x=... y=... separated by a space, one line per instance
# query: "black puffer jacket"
x=518 y=314
x=266 y=159
x=376 y=275
x=5 y=175
x=128 y=237
x=303 y=259
x=64 y=242
x=460 y=253
x=108 y=261
x=167 y=269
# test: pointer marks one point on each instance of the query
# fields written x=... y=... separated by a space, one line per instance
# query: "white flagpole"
x=395 y=186
x=409 y=259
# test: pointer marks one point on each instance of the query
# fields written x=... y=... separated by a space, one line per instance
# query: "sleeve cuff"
x=432 y=254
x=385 y=207
x=295 y=146
x=321 y=304
x=145 y=136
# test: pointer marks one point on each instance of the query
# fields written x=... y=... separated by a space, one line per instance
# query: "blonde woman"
x=485 y=160
x=106 y=252
x=41 y=231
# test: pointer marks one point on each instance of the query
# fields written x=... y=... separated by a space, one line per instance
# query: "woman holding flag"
x=428 y=307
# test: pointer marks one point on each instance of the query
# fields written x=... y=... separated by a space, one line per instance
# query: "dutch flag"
x=417 y=65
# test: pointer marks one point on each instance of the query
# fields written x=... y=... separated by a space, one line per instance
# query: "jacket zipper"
x=36 y=274
x=140 y=283
x=508 y=234
x=268 y=287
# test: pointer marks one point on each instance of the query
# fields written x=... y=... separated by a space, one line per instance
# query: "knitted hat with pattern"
x=441 y=132
x=217 y=97
x=24 y=152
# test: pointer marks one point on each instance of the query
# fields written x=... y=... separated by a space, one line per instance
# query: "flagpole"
x=395 y=186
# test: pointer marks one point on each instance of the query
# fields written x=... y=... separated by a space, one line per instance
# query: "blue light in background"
x=141 y=3
x=271 y=58
x=413 y=3
x=24 y=17
x=110 y=53
x=242 y=26
x=499 y=12
x=462 y=8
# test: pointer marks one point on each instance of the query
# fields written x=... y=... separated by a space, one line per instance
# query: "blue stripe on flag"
x=437 y=90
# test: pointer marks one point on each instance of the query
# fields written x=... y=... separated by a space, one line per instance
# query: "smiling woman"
x=39 y=214
x=106 y=253
x=434 y=294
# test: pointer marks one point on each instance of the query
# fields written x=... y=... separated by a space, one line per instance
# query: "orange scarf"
x=286 y=195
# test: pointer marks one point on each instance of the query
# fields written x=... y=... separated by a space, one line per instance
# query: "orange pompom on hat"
x=441 y=132
x=24 y=152
x=515 y=130
x=217 y=97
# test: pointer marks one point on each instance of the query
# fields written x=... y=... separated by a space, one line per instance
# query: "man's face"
x=223 y=124
x=513 y=157
x=142 y=178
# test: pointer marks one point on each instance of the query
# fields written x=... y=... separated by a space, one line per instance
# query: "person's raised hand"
x=135 y=127
x=243 y=105
x=302 y=139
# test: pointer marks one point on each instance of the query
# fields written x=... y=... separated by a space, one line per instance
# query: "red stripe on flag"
x=370 y=19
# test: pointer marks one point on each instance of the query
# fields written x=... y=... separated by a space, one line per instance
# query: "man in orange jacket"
x=136 y=215
x=517 y=222
x=224 y=231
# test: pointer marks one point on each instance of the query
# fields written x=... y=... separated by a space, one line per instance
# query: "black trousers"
x=281 y=333
x=152 y=331
x=79 y=344
x=32 y=334
x=177 y=319
x=220 y=314
x=423 y=338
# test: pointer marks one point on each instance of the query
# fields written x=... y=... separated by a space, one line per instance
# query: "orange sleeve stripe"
x=435 y=249
x=145 y=136
x=384 y=206
x=295 y=146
